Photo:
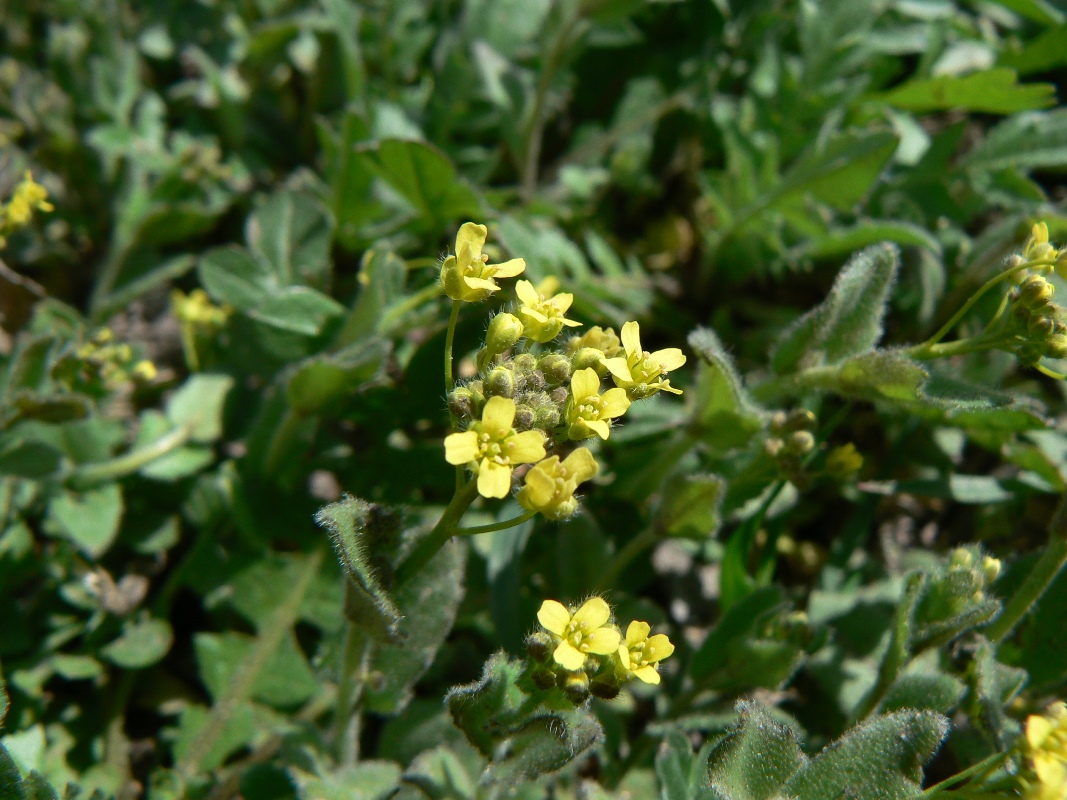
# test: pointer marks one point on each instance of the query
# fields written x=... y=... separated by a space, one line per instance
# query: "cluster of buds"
x=102 y=364
x=1043 y=751
x=29 y=196
x=581 y=651
x=1039 y=256
x=964 y=582
x=198 y=317
x=791 y=439
x=532 y=400
x=1035 y=323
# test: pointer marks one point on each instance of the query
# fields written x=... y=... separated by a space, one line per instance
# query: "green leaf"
x=286 y=679
x=882 y=375
x=881 y=759
x=1041 y=54
x=849 y=320
x=485 y=709
x=429 y=602
x=543 y=745
x=198 y=406
x=756 y=759
x=356 y=529
x=994 y=91
x=994 y=686
x=932 y=691
x=292 y=233
x=424 y=177
x=1032 y=140
x=322 y=385
x=726 y=414
x=297 y=309
x=177 y=464
x=143 y=643
x=89 y=519
x=736 y=623
x=238 y=731
x=690 y=507
x=369 y=780
x=29 y=458
x=382 y=274
x=233 y=277
x=842 y=241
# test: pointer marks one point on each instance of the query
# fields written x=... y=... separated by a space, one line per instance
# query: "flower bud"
x=605 y=690
x=556 y=368
x=559 y=395
x=504 y=331
x=575 y=686
x=1041 y=327
x=543 y=678
x=773 y=446
x=1035 y=292
x=1028 y=355
x=589 y=358
x=799 y=420
x=547 y=417
x=460 y=402
x=525 y=362
x=533 y=381
x=1061 y=263
x=990 y=569
x=539 y=646
x=961 y=558
x=524 y=418
x=500 y=382
x=799 y=443
x=1056 y=346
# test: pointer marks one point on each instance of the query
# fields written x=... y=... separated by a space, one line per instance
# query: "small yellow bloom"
x=467 y=275
x=551 y=483
x=543 y=317
x=1046 y=749
x=197 y=309
x=492 y=447
x=586 y=631
x=1037 y=247
x=843 y=461
x=597 y=338
x=589 y=413
x=29 y=196
x=639 y=655
x=639 y=371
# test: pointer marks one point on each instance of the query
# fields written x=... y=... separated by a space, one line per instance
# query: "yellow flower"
x=589 y=413
x=1046 y=747
x=596 y=338
x=586 y=631
x=543 y=317
x=467 y=275
x=639 y=371
x=551 y=483
x=29 y=196
x=197 y=309
x=492 y=447
x=640 y=654
x=1037 y=247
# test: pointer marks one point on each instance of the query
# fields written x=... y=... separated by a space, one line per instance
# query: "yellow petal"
x=624 y=657
x=618 y=369
x=569 y=657
x=614 y=403
x=659 y=647
x=509 y=269
x=584 y=383
x=461 y=447
x=472 y=237
x=526 y=293
x=669 y=359
x=600 y=427
x=494 y=480
x=602 y=641
x=553 y=616
x=665 y=386
x=580 y=466
x=561 y=302
x=594 y=613
x=533 y=314
x=1037 y=728
x=497 y=416
x=570 y=323
x=637 y=632
x=538 y=491
x=525 y=447
x=631 y=338
x=480 y=283
x=648 y=675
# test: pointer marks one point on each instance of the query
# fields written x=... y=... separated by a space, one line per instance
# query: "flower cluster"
x=102 y=364
x=29 y=196
x=1044 y=748
x=581 y=651
x=530 y=400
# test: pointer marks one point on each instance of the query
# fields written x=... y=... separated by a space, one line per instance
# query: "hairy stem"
x=444 y=530
x=496 y=526
x=355 y=649
x=88 y=475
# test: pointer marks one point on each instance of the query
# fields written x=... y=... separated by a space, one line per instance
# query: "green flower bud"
x=961 y=559
x=575 y=686
x=1041 y=327
x=1035 y=292
x=990 y=569
x=773 y=446
x=539 y=646
x=533 y=381
x=504 y=331
x=556 y=368
x=460 y=402
x=1061 y=263
x=799 y=420
x=547 y=417
x=525 y=362
x=1028 y=355
x=1056 y=346
x=543 y=678
x=605 y=690
x=500 y=382
x=525 y=418
x=589 y=358
x=799 y=443
x=559 y=395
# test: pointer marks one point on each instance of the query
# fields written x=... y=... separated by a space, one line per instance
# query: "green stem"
x=88 y=475
x=1048 y=566
x=981 y=769
x=248 y=671
x=631 y=550
x=974 y=344
x=410 y=303
x=496 y=526
x=355 y=648
x=974 y=298
x=445 y=528
x=450 y=383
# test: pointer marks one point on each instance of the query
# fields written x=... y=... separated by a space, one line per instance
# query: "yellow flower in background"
x=493 y=448
x=467 y=275
x=197 y=309
x=551 y=483
x=639 y=654
x=589 y=413
x=585 y=632
x=1046 y=749
x=639 y=372
x=28 y=196
x=543 y=317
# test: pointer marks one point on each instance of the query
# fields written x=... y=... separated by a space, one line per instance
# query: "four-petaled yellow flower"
x=639 y=371
x=1046 y=743
x=551 y=483
x=589 y=413
x=585 y=632
x=640 y=654
x=492 y=447
x=467 y=275
x=543 y=317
